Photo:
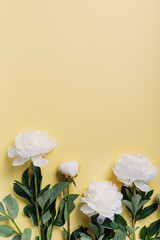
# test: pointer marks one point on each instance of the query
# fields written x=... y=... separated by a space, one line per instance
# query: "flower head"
x=135 y=169
x=31 y=145
x=102 y=198
x=69 y=169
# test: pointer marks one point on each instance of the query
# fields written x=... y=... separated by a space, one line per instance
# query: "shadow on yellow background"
x=88 y=73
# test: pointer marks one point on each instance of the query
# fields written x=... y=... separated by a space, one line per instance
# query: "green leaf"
x=65 y=234
x=26 y=235
x=119 y=219
x=153 y=228
x=30 y=211
x=101 y=237
x=76 y=234
x=3 y=218
x=131 y=230
x=24 y=188
x=66 y=211
x=135 y=203
x=149 y=194
x=12 y=206
x=109 y=224
x=19 y=191
x=142 y=203
x=119 y=235
x=148 y=211
x=6 y=231
x=17 y=237
x=25 y=178
x=95 y=229
x=143 y=233
x=2 y=210
x=46 y=217
x=128 y=205
x=49 y=231
x=51 y=194
x=84 y=236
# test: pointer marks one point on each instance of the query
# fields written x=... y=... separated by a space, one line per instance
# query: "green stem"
x=68 y=221
x=16 y=226
x=37 y=211
x=133 y=217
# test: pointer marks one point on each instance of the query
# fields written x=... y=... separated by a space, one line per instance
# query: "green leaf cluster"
x=151 y=232
x=46 y=200
x=135 y=204
x=11 y=213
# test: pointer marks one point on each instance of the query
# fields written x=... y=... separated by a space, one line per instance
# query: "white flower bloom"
x=69 y=169
x=102 y=198
x=135 y=168
x=31 y=145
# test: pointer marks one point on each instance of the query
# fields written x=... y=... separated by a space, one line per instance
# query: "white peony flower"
x=102 y=198
x=69 y=169
x=31 y=145
x=135 y=168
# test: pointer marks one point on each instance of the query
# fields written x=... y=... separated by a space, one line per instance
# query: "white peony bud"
x=69 y=169
x=158 y=198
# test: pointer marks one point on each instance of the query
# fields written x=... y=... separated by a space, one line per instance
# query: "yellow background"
x=88 y=72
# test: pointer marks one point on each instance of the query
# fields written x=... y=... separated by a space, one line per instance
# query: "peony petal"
x=12 y=152
x=19 y=161
x=39 y=161
x=50 y=144
x=87 y=210
x=142 y=186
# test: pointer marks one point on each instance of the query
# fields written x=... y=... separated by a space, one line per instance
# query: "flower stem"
x=37 y=211
x=16 y=226
x=133 y=217
x=68 y=221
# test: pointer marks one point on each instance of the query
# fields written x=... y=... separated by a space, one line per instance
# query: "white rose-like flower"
x=135 y=169
x=102 y=198
x=31 y=145
x=69 y=169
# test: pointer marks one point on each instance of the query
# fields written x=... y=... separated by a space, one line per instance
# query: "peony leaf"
x=2 y=210
x=26 y=235
x=30 y=211
x=143 y=233
x=135 y=203
x=24 y=188
x=109 y=224
x=128 y=205
x=148 y=211
x=84 y=236
x=95 y=229
x=49 y=230
x=46 y=217
x=3 y=218
x=131 y=230
x=153 y=228
x=25 y=178
x=119 y=235
x=17 y=237
x=65 y=234
x=6 y=231
x=149 y=194
x=12 y=206
x=51 y=194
